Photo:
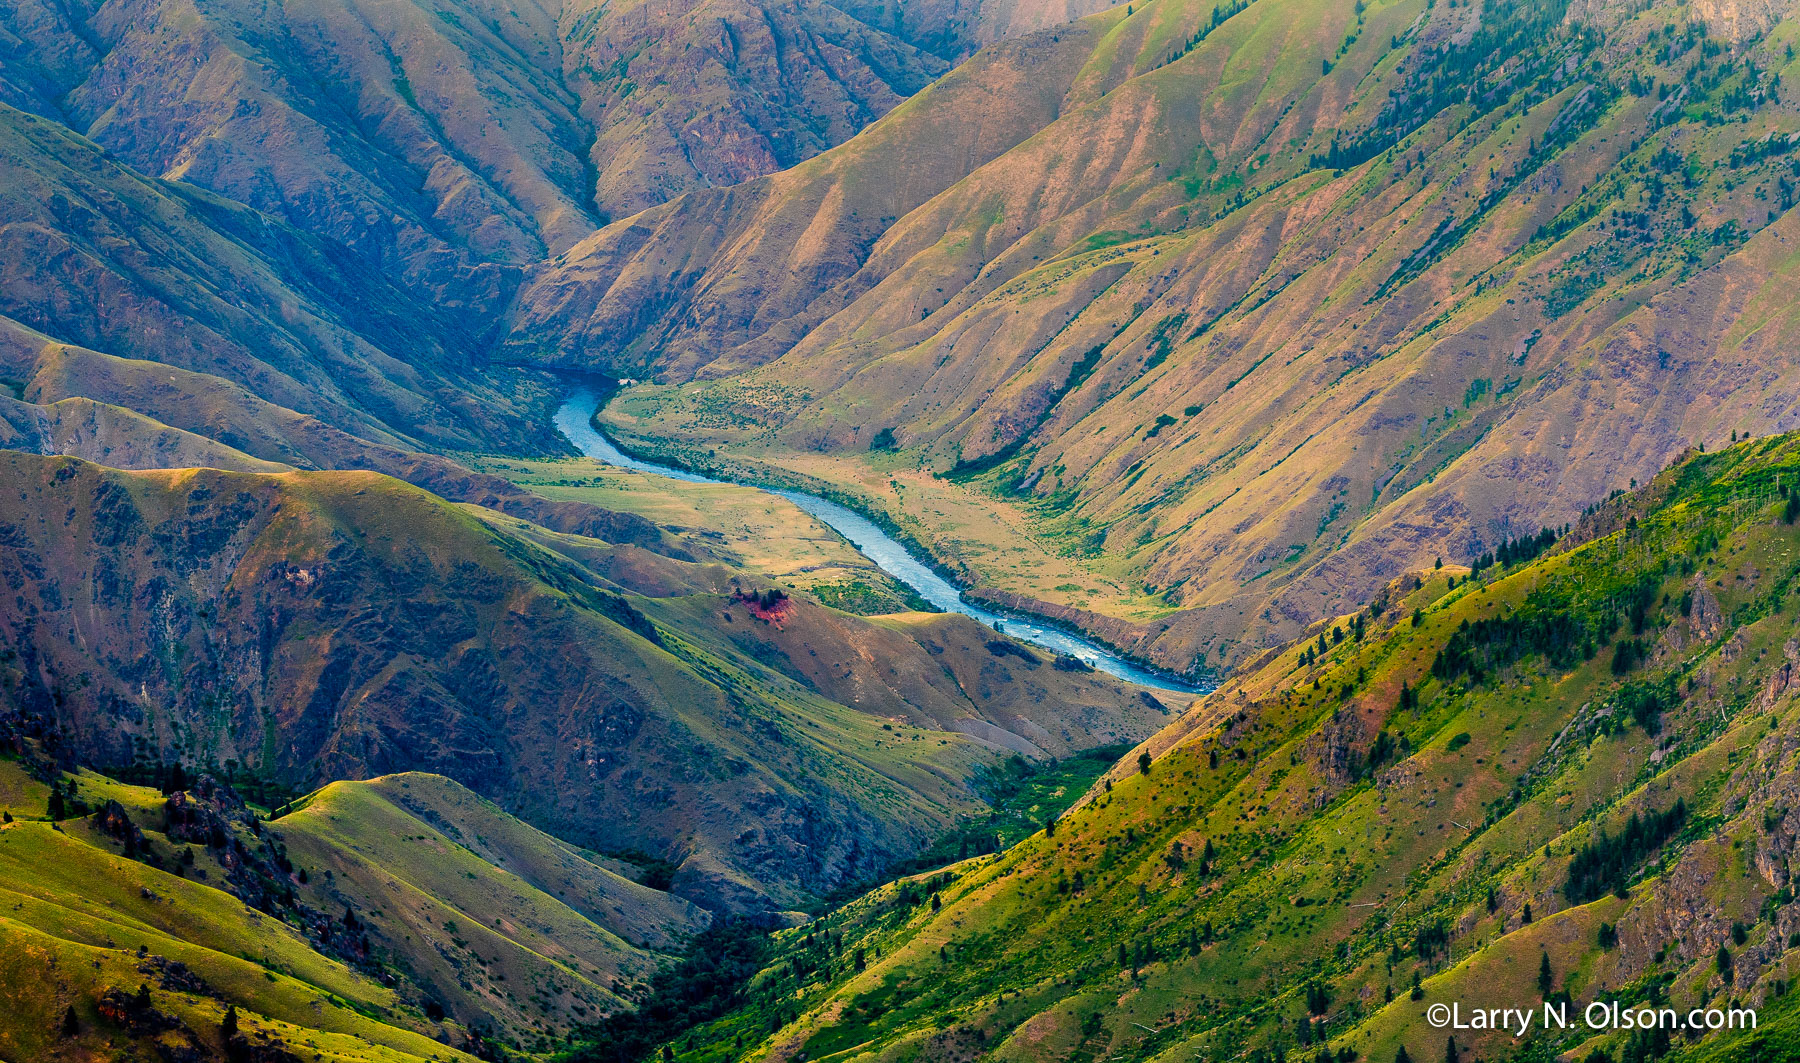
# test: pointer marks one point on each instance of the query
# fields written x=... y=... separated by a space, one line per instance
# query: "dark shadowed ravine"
x=574 y=420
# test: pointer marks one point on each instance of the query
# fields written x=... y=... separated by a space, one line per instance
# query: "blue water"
x=574 y=420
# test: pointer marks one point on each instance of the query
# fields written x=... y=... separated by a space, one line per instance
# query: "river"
x=574 y=420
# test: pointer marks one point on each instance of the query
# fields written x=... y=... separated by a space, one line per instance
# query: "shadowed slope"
x=94 y=254
x=342 y=624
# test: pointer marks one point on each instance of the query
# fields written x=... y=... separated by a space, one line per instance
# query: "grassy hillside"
x=511 y=929
x=1582 y=758
x=1250 y=309
x=282 y=923
x=314 y=626
x=113 y=259
x=113 y=435
x=748 y=529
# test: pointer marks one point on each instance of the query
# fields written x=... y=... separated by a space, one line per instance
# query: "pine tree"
x=1317 y=998
x=70 y=1024
x=1546 y=977
x=57 y=809
x=1401 y=1056
x=228 y=1026
x=1450 y=1055
x=1144 y=763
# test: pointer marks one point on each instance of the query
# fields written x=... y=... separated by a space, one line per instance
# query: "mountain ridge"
x=1585 y=754
x=332 y=625
x=1246 y=332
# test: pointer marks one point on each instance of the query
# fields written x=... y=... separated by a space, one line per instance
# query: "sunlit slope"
x=399 y=918
x=510 y=928
x=315 y=626
x=88 y=919
x=1443 y=785
x=1265 y=313
x=116 y=436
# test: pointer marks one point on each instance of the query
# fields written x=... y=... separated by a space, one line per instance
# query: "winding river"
x=574 y=420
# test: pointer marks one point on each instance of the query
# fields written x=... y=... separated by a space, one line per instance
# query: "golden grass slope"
x=1247 y=324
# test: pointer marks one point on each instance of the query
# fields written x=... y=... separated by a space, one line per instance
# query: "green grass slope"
x=82 y=918
x=1430 y=792
x=403 y=917
x=509 y=928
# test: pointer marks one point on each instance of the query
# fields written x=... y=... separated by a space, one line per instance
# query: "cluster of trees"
x=1219 y=17
x=1517 y=551
x=1477 y=648
x=148 y=767
x=1146 y=951
x=1604 y=864
x=1517 y=43
x=1645 y=703
x=710 y=980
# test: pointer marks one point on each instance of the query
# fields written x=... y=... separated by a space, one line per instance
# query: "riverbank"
x=876 y=538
